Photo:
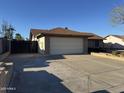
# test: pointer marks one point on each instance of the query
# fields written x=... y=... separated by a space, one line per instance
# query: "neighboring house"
x=114 y=42
x=95 y=42
x=61 y=41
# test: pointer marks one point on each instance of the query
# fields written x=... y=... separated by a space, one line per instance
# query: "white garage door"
x=62 y=45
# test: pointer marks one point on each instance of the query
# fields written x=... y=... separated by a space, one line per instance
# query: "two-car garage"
x=66 y=45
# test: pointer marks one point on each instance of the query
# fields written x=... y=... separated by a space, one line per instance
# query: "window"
x=96 y=43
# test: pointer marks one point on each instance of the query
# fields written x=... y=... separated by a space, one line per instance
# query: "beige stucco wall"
x=41 y=45
x=34 y=38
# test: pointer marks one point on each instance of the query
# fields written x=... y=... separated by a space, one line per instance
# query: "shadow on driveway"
x=35 y=81
x=101 y=91
x=39 y=82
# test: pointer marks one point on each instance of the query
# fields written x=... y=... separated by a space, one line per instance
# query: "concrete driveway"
x=67 y=74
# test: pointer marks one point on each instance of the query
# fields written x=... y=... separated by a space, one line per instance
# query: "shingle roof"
x=37 y=31
x=119 y=36
x=95 y=37
x=59 y=32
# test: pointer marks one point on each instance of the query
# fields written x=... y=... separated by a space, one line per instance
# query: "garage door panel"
x=65 y=51
x=62 y=45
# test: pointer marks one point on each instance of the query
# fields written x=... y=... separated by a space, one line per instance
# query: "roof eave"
x=95 y=39
x=61 y=35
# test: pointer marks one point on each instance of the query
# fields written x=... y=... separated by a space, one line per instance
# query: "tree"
x=18 y=36
x=27 y=39
x=117 y=15
x=7 y=30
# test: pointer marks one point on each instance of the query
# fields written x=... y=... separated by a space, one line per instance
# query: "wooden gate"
x=24 y=47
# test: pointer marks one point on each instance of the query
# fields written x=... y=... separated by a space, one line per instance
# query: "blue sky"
x=81 y=15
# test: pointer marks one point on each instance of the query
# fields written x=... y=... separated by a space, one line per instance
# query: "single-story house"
x=114 y=42
x=60 y=41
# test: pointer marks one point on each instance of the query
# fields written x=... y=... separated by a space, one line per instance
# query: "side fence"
x=24 y=47
x=4 y=45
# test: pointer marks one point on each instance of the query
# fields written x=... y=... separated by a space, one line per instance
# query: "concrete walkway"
x=67 y=74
